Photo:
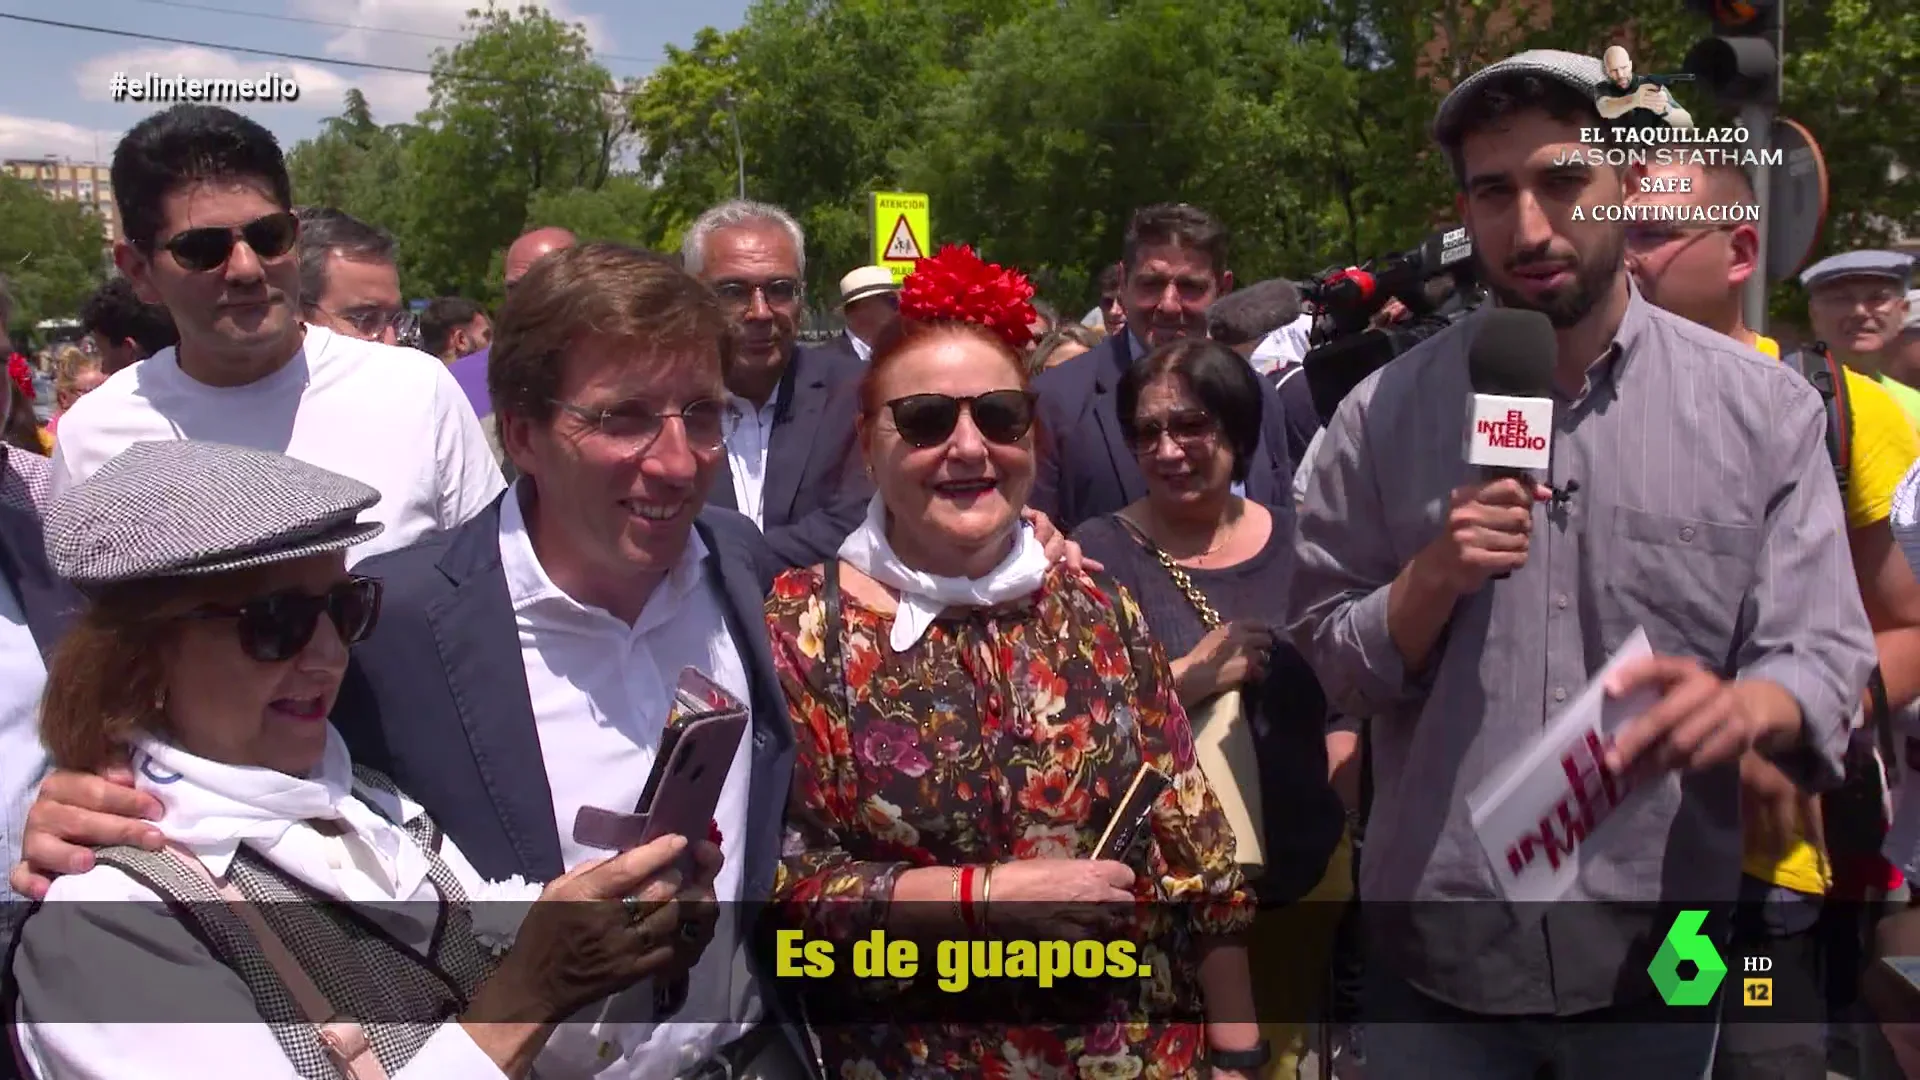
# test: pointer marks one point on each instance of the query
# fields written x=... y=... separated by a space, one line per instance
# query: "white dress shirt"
x=392 y=418
x=601 y=691
x=23 y=761
x=88 y=968
x=748 y=436
x=860 y=348
x=1287 y=345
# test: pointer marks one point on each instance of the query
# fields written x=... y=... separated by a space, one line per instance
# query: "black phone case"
x=1126 y=832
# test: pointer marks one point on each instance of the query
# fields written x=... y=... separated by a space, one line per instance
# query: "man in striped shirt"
x=1697 y=271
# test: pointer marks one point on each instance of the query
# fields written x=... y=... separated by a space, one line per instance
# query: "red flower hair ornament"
x=956 y=286
x=21 y=374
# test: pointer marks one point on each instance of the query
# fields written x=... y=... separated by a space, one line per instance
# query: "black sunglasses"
x=204 y=249
x=1190 y=430
x=923 y=420
x=275 y=628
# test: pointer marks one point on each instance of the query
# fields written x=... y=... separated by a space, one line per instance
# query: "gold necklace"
x=1225 y=534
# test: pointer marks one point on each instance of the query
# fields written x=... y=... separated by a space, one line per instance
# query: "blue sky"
x=54 y=82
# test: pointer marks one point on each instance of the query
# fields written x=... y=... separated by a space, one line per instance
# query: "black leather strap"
x=1880 y=716
x=1241 y=1060
x=830 y=641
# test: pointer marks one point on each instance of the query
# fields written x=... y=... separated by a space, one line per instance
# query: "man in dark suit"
x=1173 y=268
x=525 y=663
x=792 y=465
x=870 y=303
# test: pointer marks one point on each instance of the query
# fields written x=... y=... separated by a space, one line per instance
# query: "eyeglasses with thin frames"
x=778 y=292
x=368 y=321
x=707 y=423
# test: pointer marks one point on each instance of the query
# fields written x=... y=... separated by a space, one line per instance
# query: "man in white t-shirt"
x=205 y=206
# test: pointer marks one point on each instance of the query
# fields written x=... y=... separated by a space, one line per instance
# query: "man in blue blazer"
x=791 y=465
x=1173 y=268
x=815 y=486
x=524 y=664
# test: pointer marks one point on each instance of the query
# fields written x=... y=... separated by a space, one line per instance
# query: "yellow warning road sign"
x=901 y=231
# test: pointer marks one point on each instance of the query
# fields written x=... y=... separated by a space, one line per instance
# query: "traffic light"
x=1740 y=64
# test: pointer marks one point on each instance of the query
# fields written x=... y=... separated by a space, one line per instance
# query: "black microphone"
x=1510 y=415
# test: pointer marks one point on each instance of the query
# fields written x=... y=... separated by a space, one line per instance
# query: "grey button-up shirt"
x=1706 y=512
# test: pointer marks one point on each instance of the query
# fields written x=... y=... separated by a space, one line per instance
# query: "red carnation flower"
x=21 y=374
x=956 y=286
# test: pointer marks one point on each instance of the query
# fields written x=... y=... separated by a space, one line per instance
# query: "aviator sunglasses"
x=276 y=627
x=923 y=420
x=203 y=249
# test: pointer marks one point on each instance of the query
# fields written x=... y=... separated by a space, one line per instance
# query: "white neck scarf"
x=924 y=596
x=211 y=808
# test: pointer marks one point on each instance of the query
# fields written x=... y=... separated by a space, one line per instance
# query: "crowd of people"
x=319 y=652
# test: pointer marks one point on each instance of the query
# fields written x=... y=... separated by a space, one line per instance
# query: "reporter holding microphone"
x=1681 y=487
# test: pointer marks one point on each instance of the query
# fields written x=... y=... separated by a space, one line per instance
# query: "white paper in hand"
x=1538 y=814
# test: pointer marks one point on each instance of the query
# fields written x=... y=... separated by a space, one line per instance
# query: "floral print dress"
x=1003 y=734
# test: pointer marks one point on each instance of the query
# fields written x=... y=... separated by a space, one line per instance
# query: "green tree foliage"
x=355 y=165
x=51 y=253
x=618 y=210
x=518 y=108
x=1038 y=126
x=521 y=118
x=683 y=117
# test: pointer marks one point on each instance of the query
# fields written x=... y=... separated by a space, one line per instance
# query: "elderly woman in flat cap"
x=306 y=907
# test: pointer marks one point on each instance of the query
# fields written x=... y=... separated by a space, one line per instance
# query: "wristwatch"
x=1240 y=1060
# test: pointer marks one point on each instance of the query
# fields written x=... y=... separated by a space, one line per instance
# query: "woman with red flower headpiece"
x=19 y=426
x=970 y=717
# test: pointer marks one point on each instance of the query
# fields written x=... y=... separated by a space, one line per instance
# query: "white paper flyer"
x=1540 y=811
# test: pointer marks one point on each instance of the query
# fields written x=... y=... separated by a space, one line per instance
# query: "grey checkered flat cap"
x=1582 y=73
x=183 y=508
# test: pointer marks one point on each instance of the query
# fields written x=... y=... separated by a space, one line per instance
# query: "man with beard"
x=1705 y=514
x=1174 y=266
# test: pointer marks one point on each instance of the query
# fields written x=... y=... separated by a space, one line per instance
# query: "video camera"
x=1434 y=281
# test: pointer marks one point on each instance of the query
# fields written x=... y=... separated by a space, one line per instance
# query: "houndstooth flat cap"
x=181 y=508
x=1582 y=73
